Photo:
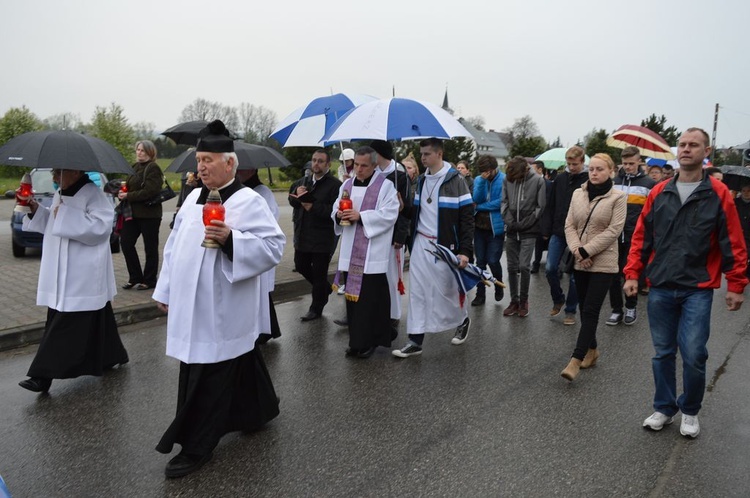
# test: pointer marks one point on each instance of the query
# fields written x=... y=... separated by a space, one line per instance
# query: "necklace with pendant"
x=429 y=196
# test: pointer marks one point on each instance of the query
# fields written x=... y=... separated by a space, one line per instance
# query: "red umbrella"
x=649 y=143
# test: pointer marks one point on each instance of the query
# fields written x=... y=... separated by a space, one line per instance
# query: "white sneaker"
x=657 y=421
x=342 y=290
x=689 y=427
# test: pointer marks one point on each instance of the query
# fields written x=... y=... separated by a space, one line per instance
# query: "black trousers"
x=314 y=267
x=615 y=289
x=592 y=289
x=131 y=230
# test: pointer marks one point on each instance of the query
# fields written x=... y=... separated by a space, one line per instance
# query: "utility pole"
x=713 y=138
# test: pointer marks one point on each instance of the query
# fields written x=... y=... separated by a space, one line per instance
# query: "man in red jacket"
x=687 y=235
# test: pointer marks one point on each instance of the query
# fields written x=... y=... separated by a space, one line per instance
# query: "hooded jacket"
x=455 y=213
x=637 y=188
x=487 y=196
x=523 y=205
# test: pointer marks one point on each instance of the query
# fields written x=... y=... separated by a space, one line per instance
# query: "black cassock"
x=78 y=343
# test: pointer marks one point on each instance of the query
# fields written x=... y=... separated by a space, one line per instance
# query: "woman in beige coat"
x=595 y=221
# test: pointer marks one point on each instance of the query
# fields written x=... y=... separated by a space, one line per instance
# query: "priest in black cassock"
x=214 y=298
x=76 y=283
x=365 y=252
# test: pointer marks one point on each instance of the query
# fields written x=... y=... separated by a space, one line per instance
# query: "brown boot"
x=571 y=371
x=590 y=359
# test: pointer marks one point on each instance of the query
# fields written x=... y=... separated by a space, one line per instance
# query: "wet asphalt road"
x=489 y=418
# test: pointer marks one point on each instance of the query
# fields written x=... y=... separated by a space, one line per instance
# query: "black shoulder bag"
x=164 y=195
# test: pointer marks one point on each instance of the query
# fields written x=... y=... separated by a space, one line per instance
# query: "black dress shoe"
x=478 y=300
x=351 y=352
x=535 y=268
x=366 y=353
x=310 y=315
x=129 y=285
x=499 y=293
x=35 y=384
x=341 y=322
x=183 y=464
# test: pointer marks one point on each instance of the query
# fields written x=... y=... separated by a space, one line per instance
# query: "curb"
x=24 y=335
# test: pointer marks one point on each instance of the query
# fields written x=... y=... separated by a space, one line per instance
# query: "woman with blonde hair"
x=595 y=221
x=412 y=170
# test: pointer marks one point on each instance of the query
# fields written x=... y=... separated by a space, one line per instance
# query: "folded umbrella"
x=63 y=150
x=250 y=156
x=467 y=277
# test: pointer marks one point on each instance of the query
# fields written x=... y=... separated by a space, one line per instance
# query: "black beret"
x=215 y=138
x=383 y=148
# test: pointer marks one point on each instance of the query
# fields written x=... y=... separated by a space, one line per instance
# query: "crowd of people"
x=613 y=229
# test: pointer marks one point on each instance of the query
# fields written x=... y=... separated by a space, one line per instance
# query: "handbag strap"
x=585 y=225
x=143 y=182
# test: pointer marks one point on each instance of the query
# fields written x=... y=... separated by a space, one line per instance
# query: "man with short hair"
x=365 y=252
x=668 y=171
x=688 y=234
x=553 y=228
x=633 y=181
x=388 y=166
x=442 y=213
x=489 y=227
x=314 y=240
x=213 y=297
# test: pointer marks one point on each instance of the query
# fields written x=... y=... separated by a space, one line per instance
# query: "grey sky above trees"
x=573 y=66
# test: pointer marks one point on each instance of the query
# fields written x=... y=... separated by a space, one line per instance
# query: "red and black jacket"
x=689 y=245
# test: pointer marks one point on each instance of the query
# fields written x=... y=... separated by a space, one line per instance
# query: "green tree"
x=64 y=121
x=659 y=126
x=111 y=125
x=525 y=138
x=458 y=149
x=728 y=157
x=17 y=121
x=556 y=144
x=595 y=142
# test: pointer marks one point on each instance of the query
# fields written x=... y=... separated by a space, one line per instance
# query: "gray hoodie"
x=523 y=204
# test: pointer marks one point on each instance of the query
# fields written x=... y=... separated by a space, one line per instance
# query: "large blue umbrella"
x=306 y=126
x=396 y=119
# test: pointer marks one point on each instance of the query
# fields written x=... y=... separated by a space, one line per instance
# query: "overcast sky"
x=572 y=65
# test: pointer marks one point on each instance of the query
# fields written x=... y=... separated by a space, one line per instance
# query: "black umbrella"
x=736 y=177
x=186 y=133
x=249 y=156
x=63 y=150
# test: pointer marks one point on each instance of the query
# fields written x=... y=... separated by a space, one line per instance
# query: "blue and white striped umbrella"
x=395 y=119
x=306 y=126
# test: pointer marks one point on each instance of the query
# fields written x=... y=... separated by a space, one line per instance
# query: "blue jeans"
x=488 y=249
x=556 y=247
x=679 y=318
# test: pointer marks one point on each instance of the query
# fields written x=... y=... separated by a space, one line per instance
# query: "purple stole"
x=361 y=243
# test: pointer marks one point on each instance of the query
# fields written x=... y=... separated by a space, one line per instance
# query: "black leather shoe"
x=310 y=315
x=499 y=293
x=341 y=322
x=478 y=300
x=535 y=268
x=35 y=384
x=366 y=353
x=184 y=464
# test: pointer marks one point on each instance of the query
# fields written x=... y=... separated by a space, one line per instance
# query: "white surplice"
x=269 y=277
x=434 y=304
x=215 y=303
x=76 y=272
x=395 y=263
x=377 y=224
